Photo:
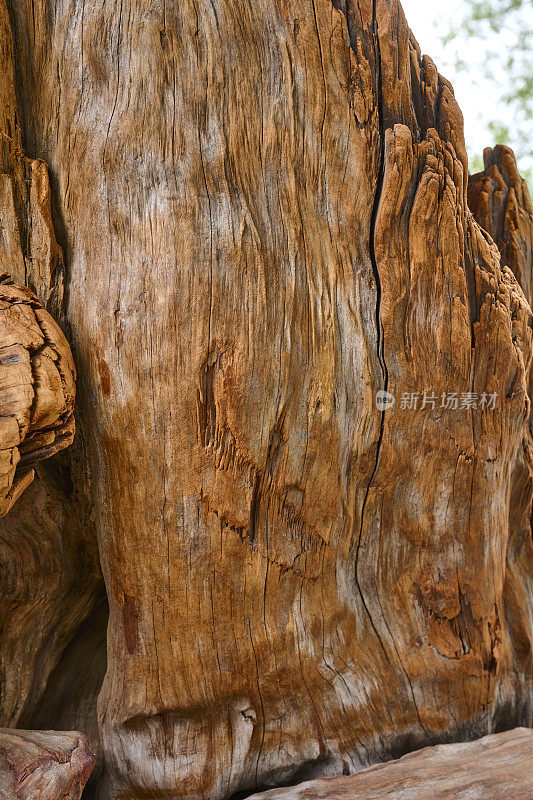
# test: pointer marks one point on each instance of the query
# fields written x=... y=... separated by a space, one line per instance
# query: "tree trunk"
x=302 y=401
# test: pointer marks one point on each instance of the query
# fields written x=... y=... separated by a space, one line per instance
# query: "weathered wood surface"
x=498 y=767
x=263 y=212
x=50 y=580
x=37 y=389
x=43 y=765
x=499 y=199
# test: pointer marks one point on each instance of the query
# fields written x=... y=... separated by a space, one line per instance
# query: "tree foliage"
x=498 y=35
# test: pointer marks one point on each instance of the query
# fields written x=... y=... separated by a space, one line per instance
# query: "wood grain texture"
x=50 y=580
x=43 y=765
x=496 y=767
x=499 y=199
x=263 y=212
x=37 y=389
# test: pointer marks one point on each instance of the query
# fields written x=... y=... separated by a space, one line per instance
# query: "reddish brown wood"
x=499 y=199
x=262 y=208
x=37 y=389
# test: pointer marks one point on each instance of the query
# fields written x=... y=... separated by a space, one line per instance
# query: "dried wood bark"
x=498 y=766
x=43 y=765
x=37 y=389
x=50 y=580
x=499 y=199
x=263 y=211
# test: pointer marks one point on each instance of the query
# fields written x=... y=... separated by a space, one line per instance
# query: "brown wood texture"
x=498 y=767
x=499 y=199
x=50 y=582
x=37 y=389
x=263 y=216
x=43 y=765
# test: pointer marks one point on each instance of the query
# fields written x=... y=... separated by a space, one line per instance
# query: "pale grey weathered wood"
x=496 y=767
x=43 y=765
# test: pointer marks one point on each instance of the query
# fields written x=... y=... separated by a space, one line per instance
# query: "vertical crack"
x=380 y=349
x=373 y=260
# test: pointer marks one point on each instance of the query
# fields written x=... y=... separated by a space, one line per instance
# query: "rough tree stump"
x=263 y=213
